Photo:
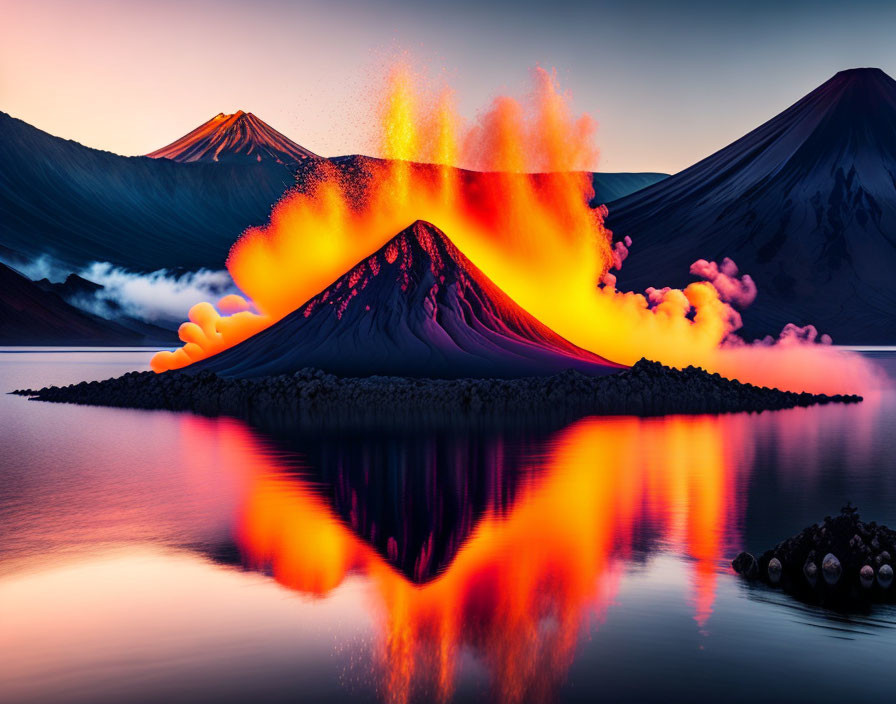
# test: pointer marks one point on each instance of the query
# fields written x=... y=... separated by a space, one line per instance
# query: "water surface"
x=155 y=556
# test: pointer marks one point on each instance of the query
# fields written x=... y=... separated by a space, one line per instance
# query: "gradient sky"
x=668 y=83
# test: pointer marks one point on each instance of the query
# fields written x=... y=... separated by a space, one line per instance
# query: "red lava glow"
x=603 y=487
x=522 y=217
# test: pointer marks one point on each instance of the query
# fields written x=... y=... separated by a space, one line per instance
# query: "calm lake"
x=152 y=556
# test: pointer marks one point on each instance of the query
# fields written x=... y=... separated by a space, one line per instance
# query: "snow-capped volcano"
x=238 y=137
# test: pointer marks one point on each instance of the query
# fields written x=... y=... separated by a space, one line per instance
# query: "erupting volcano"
x=239 y=137
x=416 y=307
x=520 y=210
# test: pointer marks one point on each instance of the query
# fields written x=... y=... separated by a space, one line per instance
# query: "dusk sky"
x=668 y=83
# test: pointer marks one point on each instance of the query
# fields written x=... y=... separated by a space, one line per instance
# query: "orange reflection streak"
x=519 y=591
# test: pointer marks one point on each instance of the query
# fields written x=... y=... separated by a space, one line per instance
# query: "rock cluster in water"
x=646 y=389
x=840 y=562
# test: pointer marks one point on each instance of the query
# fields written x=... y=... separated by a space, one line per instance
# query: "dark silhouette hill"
x=613 y=185
x=30 y=315
x=805 y=204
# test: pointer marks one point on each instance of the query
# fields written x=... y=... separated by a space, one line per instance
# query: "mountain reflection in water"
x=491 y=544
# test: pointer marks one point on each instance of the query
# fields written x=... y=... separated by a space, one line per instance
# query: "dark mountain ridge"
x=805 y=204
x=78 y=205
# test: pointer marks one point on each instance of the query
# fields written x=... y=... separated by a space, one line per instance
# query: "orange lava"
x=520 y=591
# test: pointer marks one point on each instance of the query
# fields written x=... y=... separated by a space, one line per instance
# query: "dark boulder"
x=852 y=556
x=745 y=564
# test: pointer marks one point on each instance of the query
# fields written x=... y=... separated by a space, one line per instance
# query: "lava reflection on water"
x=527 y=577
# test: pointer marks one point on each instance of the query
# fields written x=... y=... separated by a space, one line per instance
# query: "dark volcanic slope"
x=610 y=186
x=78 y=205
x=806 y=204
x=32 y=316
x=240 y=137
x=417 y=307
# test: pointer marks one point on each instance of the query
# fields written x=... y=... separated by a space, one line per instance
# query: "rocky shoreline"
x=646 y=389
x=840 y=562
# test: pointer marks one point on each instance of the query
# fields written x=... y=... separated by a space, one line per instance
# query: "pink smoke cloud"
x=798 y=359
x=619 y=253
x=737 y=290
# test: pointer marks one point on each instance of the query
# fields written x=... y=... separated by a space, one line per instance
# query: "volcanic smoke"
x=522 y=217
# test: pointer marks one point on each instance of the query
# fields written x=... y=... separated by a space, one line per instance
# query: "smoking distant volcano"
x=806 y=204
x=239 y=137
x=416 y=307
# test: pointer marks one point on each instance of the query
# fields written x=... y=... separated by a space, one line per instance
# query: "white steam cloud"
x=161 y=297
x=158 y=297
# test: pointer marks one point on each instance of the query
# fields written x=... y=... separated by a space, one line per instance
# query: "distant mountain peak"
x=873 y=80
x=235 y=137
x=862 y=72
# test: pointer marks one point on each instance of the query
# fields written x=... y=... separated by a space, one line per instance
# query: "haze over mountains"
x=417 y=307
x=805 y=204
